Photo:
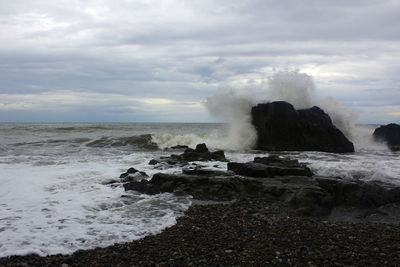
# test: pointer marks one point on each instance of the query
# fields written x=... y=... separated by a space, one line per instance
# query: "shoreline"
x=251 y=231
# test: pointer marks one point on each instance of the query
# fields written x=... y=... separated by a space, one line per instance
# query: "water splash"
x=234 y=106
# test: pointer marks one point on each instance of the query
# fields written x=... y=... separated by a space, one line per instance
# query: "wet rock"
x=311 y=202
x=270 y=167
x=301 y=192
x=154 y=162
x=204 y=171
x=201 y=153
x=358 y=193
x=132 y=174
x=389 y=134
x=201 y=148
x=278 y=161
x=199 y=186
x=179 y=147
x=273 y=178
x=280 y=127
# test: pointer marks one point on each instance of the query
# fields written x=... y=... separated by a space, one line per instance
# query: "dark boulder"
x=311 y=202
x=270 y=167
x=154 y=162
x=201 y=187
x=201 y=148
x=278 y=161
x=201 y=153
x=280 y=127
x=205 y=171
x=358 y=193
x=132 y=174
x=389 y=134
x=179 y=147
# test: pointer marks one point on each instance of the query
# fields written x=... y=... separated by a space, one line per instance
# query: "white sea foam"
x=59 y=208
x=367 y=165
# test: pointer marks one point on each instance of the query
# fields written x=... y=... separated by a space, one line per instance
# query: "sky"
x=158 y=61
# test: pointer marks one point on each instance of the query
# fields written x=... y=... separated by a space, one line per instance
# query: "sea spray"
x=234 y=106
x=293 y=87
x=342 y=117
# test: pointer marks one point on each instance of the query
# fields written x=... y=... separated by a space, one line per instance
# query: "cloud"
x=184 y=50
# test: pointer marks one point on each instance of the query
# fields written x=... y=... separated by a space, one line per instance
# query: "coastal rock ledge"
x=275 y=179
x=280 y=127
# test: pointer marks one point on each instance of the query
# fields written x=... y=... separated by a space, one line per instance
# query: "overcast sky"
x=94 y=60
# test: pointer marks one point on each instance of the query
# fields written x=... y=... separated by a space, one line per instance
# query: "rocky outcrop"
x=358 y=193
x=202 y=187
x=281 y=127
x=200 y=153
x=179 y=147
x=389 y=134
x=275 y=179
x=270 y=167
x=132 y=175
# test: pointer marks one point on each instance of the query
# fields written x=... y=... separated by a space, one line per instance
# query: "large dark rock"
x=280 y=127
x=390 y=134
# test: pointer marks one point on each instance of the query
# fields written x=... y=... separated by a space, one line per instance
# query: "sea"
x=55 y=191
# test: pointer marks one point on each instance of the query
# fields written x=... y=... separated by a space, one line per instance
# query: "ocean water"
x=54 y=191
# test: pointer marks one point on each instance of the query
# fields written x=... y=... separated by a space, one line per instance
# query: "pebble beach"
x=246 y=232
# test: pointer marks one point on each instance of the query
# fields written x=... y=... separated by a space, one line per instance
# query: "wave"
x=138 y=142
x=81 y=128
x=53 y=141
x=217 y=139
x=141 y=142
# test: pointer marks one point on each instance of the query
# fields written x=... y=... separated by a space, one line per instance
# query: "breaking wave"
x=215 y=140
x=141 y=142
x=234 y=106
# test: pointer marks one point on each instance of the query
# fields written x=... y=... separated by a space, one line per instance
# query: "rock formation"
x=390 y=134
x=200 y=153
x=281 y=127
x=275 y=179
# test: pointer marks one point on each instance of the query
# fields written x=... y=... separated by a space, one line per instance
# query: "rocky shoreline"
x=273 y=177
x=248 y=231
x=271 y=211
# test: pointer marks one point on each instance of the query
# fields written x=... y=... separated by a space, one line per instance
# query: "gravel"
x=245 y=232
